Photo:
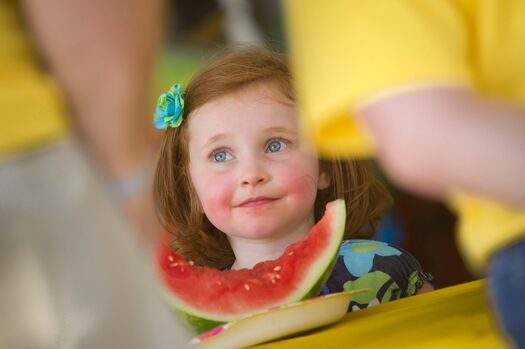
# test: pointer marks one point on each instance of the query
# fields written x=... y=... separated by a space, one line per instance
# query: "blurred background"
x=195 y=30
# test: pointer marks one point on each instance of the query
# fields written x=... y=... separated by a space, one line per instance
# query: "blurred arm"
x=102 y=52
x=436 y=140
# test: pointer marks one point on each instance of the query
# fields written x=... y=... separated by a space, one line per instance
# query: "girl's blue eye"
x=221 y=156
x=276 y=146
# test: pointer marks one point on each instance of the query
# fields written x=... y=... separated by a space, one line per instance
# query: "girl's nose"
x=253 y=180
x=254 y=173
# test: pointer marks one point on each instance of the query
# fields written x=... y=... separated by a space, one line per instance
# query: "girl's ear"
x=324 y=181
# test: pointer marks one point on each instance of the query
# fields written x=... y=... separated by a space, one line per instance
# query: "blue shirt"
x=390 y=272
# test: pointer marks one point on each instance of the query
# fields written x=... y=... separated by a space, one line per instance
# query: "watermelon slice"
x=210 y=297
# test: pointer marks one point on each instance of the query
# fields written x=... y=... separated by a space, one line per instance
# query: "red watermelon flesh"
x=209 y=296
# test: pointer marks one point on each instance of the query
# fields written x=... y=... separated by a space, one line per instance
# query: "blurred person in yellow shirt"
x=72 y=273
x=436 y=90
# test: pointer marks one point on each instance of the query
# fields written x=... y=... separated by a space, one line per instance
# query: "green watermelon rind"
x=319 y=272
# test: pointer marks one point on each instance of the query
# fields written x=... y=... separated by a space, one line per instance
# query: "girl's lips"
x=256 y=202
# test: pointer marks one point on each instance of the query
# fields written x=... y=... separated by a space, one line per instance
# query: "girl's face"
x=255 y=175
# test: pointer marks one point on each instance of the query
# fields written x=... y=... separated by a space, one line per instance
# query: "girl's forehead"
x=255 y=97
x=250 y=110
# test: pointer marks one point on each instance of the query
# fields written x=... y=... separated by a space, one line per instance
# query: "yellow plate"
x=277 y=322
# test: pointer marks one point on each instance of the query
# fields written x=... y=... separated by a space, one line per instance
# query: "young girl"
x=237 y=181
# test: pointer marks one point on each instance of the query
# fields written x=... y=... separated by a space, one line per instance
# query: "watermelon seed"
x=191 y=263
x=277 y=276
x=174 y=265
x=277 y=268
x=170 y=258
x=246 y=287
x=290 y=253
x=273 y=281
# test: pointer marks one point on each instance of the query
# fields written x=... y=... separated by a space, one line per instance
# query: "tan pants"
x=70 y=274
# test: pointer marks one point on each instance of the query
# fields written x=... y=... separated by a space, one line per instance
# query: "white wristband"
x=130 y=185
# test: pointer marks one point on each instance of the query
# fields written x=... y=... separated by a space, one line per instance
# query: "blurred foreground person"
x=71 y=273
x=436 y=90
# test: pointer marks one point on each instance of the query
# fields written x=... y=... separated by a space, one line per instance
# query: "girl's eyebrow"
x=280 y=129
x=215 y=139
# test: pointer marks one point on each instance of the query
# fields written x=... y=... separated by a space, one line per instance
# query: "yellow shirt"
x=346 y=52
x=31 y=109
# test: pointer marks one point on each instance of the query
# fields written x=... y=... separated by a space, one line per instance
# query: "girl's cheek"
x=302 y=190
x=299 y=177
x=216 y=194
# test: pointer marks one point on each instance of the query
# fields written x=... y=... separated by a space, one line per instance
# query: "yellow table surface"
x=453 y=317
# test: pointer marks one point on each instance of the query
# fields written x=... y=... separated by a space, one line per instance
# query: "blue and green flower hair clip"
x=170 y=107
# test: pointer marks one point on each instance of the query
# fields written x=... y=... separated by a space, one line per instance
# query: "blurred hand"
x=140 y=212
x=133 y=191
